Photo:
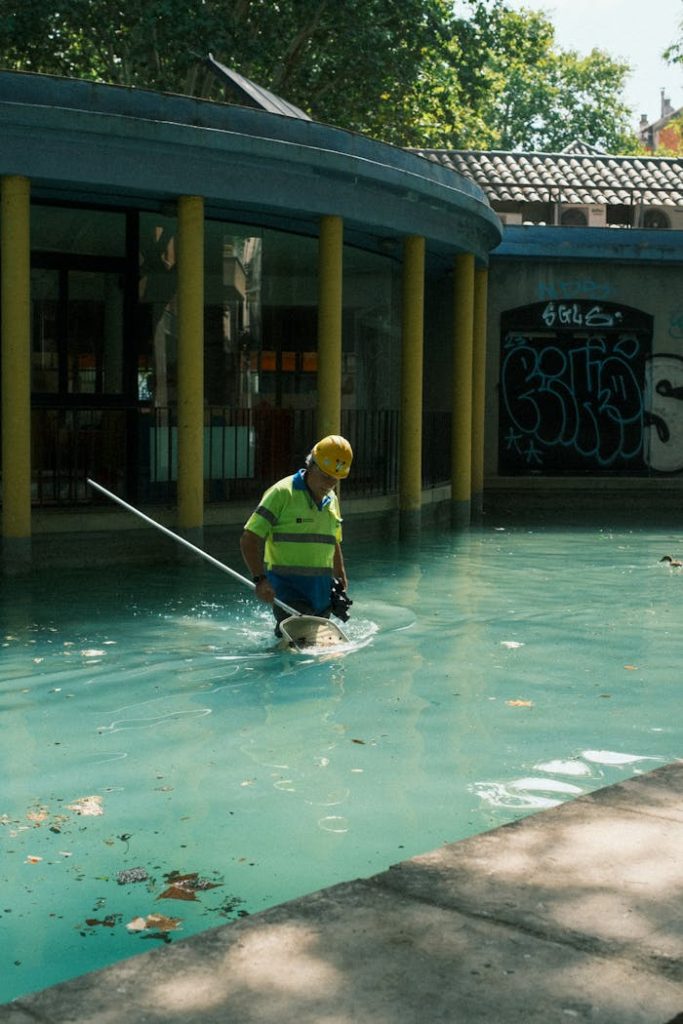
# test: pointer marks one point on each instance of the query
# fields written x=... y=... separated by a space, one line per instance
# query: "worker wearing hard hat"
x=291 y=543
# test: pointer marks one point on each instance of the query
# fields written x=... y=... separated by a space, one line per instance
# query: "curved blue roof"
x=84 y=141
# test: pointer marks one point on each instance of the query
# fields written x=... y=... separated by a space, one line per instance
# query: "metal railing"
x=68 y=445
x=134 y=452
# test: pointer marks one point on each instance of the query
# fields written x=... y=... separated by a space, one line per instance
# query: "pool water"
x=165 y=769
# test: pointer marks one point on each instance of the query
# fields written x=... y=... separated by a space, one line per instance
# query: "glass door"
x=77 y=368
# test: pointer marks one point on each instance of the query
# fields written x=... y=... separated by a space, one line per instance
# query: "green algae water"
x=165 y=770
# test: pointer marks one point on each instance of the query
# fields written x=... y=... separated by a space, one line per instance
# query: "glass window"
x=261 y=320
x=371 y=348
x=157 y=329
x=94 y=332
x=45 y=331
x=232 y=313
x=76 y=328
x=78 y=231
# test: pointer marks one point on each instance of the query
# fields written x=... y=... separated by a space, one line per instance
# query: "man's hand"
x=264 y=591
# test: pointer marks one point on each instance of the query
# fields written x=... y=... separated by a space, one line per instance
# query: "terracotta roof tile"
x=580 y=174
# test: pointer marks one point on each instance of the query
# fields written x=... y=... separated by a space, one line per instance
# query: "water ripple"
x=152 y=721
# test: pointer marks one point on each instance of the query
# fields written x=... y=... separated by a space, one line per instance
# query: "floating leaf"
x=519 y=703
x=177 y=892
x=157 y=921
x=185 y=887
x=631 y=668
x=361 y=742
x=31 y=859
x=88 y=806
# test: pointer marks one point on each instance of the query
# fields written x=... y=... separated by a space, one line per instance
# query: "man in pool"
x=291 y=543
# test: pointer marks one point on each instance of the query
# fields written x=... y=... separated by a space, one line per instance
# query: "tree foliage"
x=674 y=53
x=411 y=72
x=671 y=139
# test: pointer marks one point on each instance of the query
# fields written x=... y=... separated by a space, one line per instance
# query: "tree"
x=674 y=53
x=671 y=139
x=410 y=72
x=336 y=60
x=520 y=91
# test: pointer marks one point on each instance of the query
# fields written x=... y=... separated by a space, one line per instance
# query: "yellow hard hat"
x=333 y=455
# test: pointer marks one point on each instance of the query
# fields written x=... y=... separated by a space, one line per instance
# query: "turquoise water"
x=148 y=723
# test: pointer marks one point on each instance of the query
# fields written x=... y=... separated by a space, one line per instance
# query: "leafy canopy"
x=425 y=73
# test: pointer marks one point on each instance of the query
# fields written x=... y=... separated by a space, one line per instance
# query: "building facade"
x=193 y=292
x=584 y=370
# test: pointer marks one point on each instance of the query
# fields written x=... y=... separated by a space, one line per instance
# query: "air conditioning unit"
x=511 y=218
x=656 y=219
x=583 y=215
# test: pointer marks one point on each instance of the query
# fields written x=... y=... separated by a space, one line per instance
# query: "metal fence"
x=134 y=452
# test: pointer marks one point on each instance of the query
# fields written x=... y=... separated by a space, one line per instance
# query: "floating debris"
x=154 y=921
x=130 y=875
x=88 y=806
x=38 y=816
x=185 y=887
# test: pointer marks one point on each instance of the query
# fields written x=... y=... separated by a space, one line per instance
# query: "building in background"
x=193 y=292
x=660 y=132
x=585 y=325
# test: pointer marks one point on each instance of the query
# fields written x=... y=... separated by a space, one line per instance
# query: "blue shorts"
x=314 y=592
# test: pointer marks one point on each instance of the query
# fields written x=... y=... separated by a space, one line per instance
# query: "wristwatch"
x=257 y=579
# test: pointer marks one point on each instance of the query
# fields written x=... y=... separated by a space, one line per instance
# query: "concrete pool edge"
x=574 y=913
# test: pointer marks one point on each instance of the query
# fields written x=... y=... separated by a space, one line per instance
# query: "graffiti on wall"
x=663 y=436
x=566 y=287
x=676 y=323
x=580 y=392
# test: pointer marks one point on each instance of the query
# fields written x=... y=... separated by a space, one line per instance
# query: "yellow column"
x=479 y=388
x=190 y=363
x=410 y=470
x=330 y=269
x=461 y=440
x=15 y=242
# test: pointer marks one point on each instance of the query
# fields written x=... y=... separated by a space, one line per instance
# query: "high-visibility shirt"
x=300 y=535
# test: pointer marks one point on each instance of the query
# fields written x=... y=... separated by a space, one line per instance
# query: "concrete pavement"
x=573 y=914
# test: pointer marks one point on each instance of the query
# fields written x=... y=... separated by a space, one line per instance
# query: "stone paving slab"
x=569 y=915
x=658 y=792
x=604 y=872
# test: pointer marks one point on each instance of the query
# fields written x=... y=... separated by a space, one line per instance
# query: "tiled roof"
x=578 y=175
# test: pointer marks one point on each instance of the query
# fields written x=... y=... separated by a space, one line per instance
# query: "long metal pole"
x=186 y=543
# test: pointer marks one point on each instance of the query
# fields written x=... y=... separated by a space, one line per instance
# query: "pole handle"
x=186 y=543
